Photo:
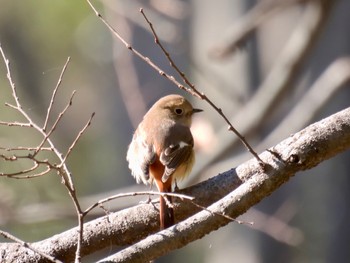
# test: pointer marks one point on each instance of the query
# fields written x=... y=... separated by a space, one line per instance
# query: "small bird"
x=161 y=149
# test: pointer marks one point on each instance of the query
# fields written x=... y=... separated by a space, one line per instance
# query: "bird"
x=161 y=149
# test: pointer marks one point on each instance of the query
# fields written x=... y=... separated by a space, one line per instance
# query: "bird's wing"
x=175 y=155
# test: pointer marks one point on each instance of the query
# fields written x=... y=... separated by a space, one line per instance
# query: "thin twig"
x=222 y=214
x=113 y=197
x=35 y=166
x=54 y=94
x=77 y=138
x=37 y=163
x=47 y=135
x=22 y=148
x=9 y=77
x=16 y=124
x=48 y=169
x=163 y=194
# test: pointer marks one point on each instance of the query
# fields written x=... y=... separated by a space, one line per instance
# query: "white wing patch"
x=183 y=144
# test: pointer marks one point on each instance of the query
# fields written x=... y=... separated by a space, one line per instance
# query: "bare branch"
x=61 y=169
x=28 y=246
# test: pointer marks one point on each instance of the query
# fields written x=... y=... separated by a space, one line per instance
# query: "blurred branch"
x=277 y=225
x=176 y=10
x=230 y=193
x=128 y=80
x=280 y=78
x=248 y=24
x=335 y=77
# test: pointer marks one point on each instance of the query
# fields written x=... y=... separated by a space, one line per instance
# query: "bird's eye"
x=178 y=111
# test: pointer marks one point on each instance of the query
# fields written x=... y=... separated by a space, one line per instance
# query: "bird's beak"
x=196 y=110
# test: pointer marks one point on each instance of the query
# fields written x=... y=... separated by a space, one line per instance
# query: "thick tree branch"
x=301 y=151
x=232 y=193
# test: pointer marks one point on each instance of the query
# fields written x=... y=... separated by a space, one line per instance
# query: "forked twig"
x=48 y=134
x=61 y=169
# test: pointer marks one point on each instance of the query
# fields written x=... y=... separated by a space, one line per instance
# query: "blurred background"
x=272 y=66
